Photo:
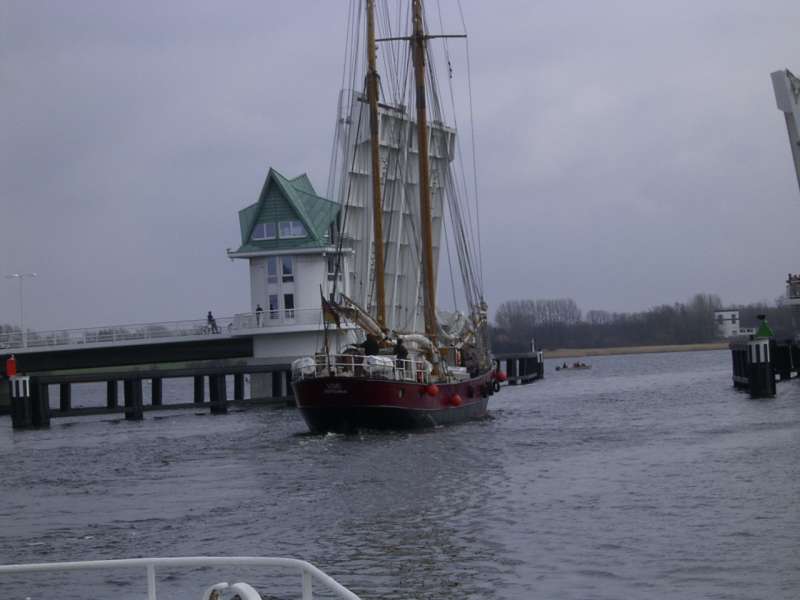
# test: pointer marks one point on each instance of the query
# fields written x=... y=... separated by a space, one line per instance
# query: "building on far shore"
x=729 y=325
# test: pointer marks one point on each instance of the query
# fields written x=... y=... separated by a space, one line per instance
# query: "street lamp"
x=21 y=277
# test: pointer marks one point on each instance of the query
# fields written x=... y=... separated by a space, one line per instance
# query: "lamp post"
x=21 y=277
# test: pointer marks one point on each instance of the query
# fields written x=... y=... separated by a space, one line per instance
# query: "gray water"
x=646 y=477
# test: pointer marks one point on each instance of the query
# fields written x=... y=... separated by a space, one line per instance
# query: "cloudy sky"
x=630 y=153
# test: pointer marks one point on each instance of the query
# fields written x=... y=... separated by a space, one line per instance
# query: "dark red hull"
x=347 y=404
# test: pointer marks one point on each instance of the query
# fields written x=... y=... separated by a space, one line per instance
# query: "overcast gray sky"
x=630 y=152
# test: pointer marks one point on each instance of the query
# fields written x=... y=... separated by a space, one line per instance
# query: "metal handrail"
x=352 y=365
x=308 y=572
x=109 y=334
x=277 y=318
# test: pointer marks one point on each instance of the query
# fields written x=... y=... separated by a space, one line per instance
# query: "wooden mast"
x=418 y=41
x=377 y=205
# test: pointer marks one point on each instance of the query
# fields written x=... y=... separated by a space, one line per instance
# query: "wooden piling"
x=156 y=391
x=512 y=371
x=218 y=394
x=133 y=400
x=65 y=399
x=199 y=392
x=238 y=386
x=289 y=390
x=112 y=394
x=40 y=403
x=277 y=384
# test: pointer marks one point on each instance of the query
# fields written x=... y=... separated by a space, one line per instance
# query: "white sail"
x=401 y=220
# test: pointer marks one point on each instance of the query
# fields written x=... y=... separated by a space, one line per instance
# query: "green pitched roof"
x=283 y=199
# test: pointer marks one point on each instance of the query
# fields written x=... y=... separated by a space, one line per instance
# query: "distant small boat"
x=573 y=367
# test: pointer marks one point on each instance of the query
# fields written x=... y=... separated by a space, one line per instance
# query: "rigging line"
x=474 y=155
x=462 y=172
x=348 y=177
x=333 y=166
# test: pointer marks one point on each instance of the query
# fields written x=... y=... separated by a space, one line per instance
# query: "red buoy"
x=456 y=400
x=501 y=376
x=11 y=366
x=432 y=390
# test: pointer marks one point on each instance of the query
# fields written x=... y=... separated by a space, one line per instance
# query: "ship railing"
x=359 y=365
x=309 y=574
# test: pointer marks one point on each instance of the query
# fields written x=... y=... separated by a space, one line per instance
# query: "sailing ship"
x=415 y=366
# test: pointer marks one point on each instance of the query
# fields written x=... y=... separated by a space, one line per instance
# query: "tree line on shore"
x=560 y=323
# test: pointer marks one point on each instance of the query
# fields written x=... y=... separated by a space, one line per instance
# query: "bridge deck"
x=245 y=324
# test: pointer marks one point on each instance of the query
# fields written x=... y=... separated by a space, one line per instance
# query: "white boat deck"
x=309 y=574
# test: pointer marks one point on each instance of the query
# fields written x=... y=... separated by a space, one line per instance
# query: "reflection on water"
x=647 y=476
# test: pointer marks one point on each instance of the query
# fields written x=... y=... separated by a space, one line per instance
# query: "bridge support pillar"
x=238 y=386
x=112 y=394
x=65 y=400
x=512 y=371
x=40 y=403
x=133 y=400
x=277 y=384
x=156 y=391
x=218 y=394
x=289 y=391
x=199 y=392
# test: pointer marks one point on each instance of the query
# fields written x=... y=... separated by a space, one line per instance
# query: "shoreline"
x=580 y=352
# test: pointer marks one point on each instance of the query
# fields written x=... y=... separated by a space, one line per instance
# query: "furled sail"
x=400 y=177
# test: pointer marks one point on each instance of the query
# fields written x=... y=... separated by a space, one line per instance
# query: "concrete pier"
x=521 y=367
x=277 y=384
x=199 y=391
x=40 y=403
x=112 y=394
x=238 y=386
x=133 y=399
x=218 y=394
x=133 y=376
x=65 y=398
x=156 y=391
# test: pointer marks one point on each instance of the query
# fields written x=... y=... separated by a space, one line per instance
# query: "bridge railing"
x=115 y=333
x=110 y=334
x=277 y=318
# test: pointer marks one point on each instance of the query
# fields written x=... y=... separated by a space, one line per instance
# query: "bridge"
x=198 y=330
x=131 y=353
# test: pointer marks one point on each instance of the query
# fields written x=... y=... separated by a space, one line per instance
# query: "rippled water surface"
x=646 y=477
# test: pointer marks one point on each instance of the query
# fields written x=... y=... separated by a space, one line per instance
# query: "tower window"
x=264 y=231
x=291 y=229
x=287 y=269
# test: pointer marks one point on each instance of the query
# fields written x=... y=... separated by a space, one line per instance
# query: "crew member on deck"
x=400 y=350
x=370 y=345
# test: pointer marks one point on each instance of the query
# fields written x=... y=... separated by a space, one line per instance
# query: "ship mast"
x=377 y=207
x=418 y=42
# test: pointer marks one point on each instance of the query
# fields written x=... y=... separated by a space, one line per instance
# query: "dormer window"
x=291 y=229
x=264 y=231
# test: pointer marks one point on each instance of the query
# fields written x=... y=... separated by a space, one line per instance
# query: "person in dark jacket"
x=400 y=350
x=370 y=345
x=212 y=323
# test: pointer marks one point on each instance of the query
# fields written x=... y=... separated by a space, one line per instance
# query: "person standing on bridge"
x=212 y=323
x=259 y=312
